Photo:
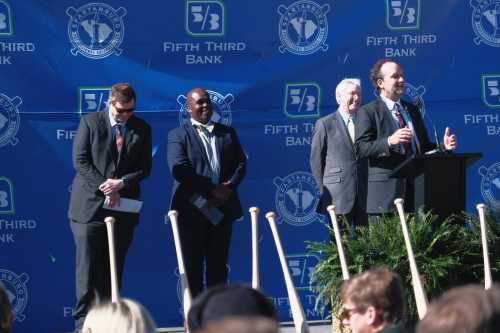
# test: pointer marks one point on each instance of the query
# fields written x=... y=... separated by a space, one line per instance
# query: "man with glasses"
x=111 y=156
x=373 y=302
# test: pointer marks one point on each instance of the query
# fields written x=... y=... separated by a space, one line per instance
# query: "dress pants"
x=205 y=248
x=93 y=279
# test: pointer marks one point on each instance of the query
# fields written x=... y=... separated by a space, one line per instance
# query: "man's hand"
x=221 y=194
x=111 y=186
x=402 y=135
x=113 y=200
x=449 y=140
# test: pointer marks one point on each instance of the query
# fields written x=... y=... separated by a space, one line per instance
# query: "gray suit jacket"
x=375 y=125
x=94 y=159
x=340 y=175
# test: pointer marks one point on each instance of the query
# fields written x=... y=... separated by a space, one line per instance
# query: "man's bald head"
x=199 y=105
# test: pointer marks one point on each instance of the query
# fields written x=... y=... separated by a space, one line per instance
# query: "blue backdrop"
x=271 y=68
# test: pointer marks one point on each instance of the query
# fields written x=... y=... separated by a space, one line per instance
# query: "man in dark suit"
x=340 y=175
x=207 y=163
x=389 y=131
x=111 y=155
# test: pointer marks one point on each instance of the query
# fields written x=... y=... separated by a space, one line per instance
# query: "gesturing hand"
x=449 y=140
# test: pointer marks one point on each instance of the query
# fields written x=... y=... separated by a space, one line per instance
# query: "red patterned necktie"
x=399 y=116
x=401 y=121
x=118 y=138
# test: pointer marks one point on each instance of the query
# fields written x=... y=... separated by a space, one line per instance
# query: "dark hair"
x=375 y=74
x=377 y=287
x=223 y=302
x=122 y=93
x=468 y=309
x=6 y=315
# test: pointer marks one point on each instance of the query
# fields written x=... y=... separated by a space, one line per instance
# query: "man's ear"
x=379 y=83
x=372 y=315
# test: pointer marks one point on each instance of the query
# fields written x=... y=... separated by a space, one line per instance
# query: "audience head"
x=6 y=315
x=468 y=309
x=348 y=95
x=372 y=300
x=221 y=302
x=124 y=316
x=242 y=325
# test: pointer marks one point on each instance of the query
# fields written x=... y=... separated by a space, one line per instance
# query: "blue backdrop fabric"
x=271 y=68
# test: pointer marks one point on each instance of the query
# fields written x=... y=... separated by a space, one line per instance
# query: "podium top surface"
x=415 y=165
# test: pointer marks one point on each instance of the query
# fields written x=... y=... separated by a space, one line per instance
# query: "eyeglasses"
x=120 y=110
x=347 y=313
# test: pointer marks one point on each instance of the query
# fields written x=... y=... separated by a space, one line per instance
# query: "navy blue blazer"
x=190 y=168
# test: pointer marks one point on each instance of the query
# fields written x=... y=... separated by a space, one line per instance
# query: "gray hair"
x=124 y=316
x=342 y=86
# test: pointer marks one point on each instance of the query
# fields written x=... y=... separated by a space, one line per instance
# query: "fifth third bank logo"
x=403 y=14
x=6 y=196
x=5 y=19
x=302 y=100
x=205 y=18
x=491 y=90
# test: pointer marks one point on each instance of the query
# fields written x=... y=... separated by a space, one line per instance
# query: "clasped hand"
x=110 y=189
x=220 y=194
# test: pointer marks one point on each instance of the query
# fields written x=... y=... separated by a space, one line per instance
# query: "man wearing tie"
x=340 y=175
x=111 y=155
x=207 y=163
x=390 y=130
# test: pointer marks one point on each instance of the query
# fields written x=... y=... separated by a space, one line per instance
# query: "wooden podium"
x=436 y=181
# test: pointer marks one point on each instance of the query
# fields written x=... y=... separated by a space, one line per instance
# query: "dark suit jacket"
x=340 y=175
x=375 y=125
x=190 y=168
x=94 y=155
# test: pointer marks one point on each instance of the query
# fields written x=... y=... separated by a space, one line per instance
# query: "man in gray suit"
x=389 y=131
x=111 y=155
x=339 y=173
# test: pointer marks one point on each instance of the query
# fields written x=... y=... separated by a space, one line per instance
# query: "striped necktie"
x=118 y=138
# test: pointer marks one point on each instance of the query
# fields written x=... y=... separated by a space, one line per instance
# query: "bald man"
x=208 y=164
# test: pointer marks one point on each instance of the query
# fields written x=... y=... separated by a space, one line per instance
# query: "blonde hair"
x=124 y=316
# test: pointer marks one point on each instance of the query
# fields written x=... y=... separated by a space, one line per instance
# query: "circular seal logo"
x=303 y=27
x=486 y=21
x=17 y=292
x=296 y=198
x=96 y=30
x=221 y=108
x=490 y=184
x=9 y=119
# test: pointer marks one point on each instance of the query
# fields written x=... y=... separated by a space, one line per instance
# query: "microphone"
x=439 y=147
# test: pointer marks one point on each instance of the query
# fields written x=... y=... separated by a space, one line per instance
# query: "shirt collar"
x=113 y=121
x=345 y=116
x=390 y=103
x=208 y=126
